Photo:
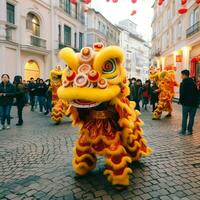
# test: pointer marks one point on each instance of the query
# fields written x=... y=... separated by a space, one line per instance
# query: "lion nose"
x=81 y=80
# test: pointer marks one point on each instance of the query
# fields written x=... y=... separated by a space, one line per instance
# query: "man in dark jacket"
x=32 y=93
x=189 y=101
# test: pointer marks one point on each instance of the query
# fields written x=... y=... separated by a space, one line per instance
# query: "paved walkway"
x=35 y=163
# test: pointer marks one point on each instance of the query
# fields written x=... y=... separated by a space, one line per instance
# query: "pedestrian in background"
x=145 y=94
x=7 y=92
x=198 y=88
x=132 y=86
x=48 y=97
x=154 y=91
x=37 y=82
x=137 y=93
x=41 y=92
x=20 y=98
x=189 y=101
x=32 y=93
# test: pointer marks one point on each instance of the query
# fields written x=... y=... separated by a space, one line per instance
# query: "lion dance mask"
x=166 y=82
x=59 y=106
x=95 y=86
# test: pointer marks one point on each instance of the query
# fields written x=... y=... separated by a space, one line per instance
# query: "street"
x=35 y=163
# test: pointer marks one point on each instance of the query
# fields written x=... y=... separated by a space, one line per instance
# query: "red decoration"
x=193 y=68
x=179 y=58
x=134 y=1
x=198 y=1
x=182 y=10
x=87 y=1
x=183 y=2
x=133 y=12
x=114 y=1
x=160 y=2
x=74 y=1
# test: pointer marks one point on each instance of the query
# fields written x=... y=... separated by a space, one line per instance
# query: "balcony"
x=38 y=42
x=192 y=30
x=61 y=46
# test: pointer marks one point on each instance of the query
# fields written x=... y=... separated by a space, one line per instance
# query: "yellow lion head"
x=93 y=76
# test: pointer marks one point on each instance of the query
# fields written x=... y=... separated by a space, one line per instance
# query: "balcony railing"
x=192 y=30
x=61 y=46
x=38 y=42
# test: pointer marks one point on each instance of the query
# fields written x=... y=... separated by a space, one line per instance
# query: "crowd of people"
x=37 y=93
x=145 y=93
x=21 y=93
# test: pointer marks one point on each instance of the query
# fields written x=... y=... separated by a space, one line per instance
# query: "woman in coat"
x=7 y=92
x=20 y=98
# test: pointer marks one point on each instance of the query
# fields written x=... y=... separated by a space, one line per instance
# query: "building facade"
x=33 y=31
x=99 y=29
x=176 y=38
x=136 y=49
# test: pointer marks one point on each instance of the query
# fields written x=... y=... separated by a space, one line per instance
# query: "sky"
x=115 y=12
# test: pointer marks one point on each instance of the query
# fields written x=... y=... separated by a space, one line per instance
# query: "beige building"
x=99 y=29
x=136 y=49
x=33 y=31
x=176 y=38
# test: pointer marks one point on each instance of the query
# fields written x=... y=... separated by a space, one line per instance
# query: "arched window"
x=33 y=24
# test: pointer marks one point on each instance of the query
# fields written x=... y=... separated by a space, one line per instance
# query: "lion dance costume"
x=59 y=106
x=95 y=86
x=166 y=82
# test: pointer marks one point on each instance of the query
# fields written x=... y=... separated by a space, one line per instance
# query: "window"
x=75 y=40
x=59 y=34
x=10 y=13
x=65 y=4
x=81 y=40
x=33 y=24
x=194 y=16
x=179 y=30
x=67 y=35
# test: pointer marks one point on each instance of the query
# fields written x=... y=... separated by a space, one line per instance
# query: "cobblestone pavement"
x=35 y=163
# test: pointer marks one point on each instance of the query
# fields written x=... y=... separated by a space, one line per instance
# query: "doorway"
x=32 y=70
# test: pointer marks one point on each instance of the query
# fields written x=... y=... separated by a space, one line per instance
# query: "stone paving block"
x=106 y=197
x=37 y=157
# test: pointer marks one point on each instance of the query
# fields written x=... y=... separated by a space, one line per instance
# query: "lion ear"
x=107 y=53
x=69 y=57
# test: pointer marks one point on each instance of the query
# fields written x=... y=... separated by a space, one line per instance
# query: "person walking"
x=48 y=97
x=132 y=86
x=189 y=101
x=32 y=92
x=145 y=94
x=137 y=93
x=20 y=98
x=7 y=92
x=37 y=82
x=154 y=91
x=41 y=91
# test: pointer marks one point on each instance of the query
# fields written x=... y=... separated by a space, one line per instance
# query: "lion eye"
x=109 y=66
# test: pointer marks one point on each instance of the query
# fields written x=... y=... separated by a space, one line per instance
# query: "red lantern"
x=183 y=2
x=182 y=10
x=198 y=1
x=87 y=1
x=134 y=1
x=160 y=2
x=133 y=12
x=74 y=1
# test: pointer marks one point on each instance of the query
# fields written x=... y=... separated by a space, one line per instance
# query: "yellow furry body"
x=112 y=127
x=166 y=82
x=59 y=106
